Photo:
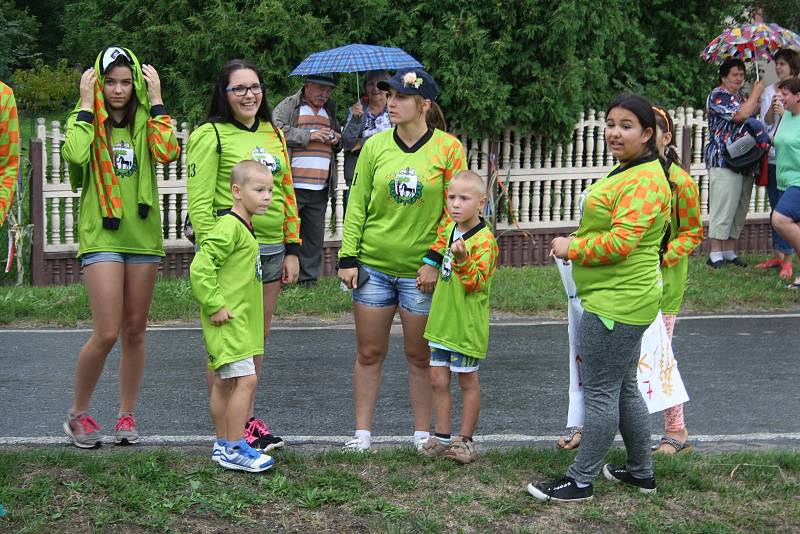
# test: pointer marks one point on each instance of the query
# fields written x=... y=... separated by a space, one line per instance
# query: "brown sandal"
x=565 y=440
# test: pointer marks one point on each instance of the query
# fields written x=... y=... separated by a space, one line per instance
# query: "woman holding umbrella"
x=396 y=205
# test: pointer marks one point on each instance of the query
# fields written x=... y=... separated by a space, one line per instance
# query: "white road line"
x=543 y=322
x=338 y=440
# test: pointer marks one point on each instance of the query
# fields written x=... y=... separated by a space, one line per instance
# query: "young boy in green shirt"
x=226 y=280
x=458 y=325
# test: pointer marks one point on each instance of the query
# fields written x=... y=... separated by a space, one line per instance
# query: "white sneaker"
x=240 y=456
x=355 y=445
x=420 y=442
x=216 y=452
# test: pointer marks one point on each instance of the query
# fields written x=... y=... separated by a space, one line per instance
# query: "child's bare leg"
x=471 y=393
x=442 y=398
x=220 y=397
x=236 y=413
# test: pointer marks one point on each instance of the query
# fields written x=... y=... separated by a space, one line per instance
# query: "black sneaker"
x=615 y=473
x=719 y=264
x=564 y=490
x=258 y=436
x=737 y=261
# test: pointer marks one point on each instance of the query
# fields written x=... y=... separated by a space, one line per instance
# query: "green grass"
x=531 y=291
x=155 y=490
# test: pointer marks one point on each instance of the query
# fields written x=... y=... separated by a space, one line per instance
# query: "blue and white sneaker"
x=240 y=456
x=216 y=450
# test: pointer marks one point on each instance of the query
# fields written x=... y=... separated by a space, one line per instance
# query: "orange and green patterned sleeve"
x=9 y=149
x=456 y=161
x=686 y=204
x=291 y=219
x=161 y=139
x=638 y=204
x=477 y=269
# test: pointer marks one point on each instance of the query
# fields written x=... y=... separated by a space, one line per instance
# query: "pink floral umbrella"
x=750 y=42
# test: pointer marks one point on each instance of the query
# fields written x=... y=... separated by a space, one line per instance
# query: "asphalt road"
x=741 y=374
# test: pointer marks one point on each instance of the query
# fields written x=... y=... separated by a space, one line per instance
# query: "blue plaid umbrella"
x=356 y=58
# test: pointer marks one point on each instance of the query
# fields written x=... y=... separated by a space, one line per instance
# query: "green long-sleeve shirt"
x=209 y=179
x=226 y=272
x=397 y=201
x=615 y=253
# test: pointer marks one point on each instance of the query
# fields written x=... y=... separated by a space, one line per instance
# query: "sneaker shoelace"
x=261 y=427
x=87 y=423
x=126 y=422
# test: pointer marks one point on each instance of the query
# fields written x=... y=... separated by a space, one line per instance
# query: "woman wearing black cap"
x=396 y=205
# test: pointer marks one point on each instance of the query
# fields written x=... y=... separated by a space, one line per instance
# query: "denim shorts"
x=382 y=290
x=118 y=257
x=271 y=262
x=789 y=204
x=458 y=363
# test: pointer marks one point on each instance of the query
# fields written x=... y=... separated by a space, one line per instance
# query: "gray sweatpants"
x=611 y=398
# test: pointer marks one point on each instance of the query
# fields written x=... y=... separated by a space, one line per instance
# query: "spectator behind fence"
x=308 y=120
x=786 y=216
x=239 y=127
x=396 y=207
x=116 y=134
x=365 y=118
x=729 y=189
x=9 y=149
x=787 y=65
x=615 y=263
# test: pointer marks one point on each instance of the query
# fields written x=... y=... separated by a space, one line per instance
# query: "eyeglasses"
x=241 y=90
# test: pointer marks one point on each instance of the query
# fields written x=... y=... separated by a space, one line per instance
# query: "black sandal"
x=572 y=431
x=674 y=443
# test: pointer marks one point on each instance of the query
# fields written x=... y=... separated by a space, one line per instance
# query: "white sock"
x=364 y=436
x=716 y=256
x=582 y=485
x=728 y=255
x=420 y=435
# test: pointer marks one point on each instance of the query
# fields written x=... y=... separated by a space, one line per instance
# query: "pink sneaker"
x=258 y=436
x=125 y=431
x=83 y=430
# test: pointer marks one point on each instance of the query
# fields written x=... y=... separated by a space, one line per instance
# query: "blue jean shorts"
x=118 y=257
x=789 y=204
x=458 y=363
x=382 y=290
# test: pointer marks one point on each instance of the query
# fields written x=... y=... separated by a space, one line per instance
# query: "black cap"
x=323 y=78
x=412 y=82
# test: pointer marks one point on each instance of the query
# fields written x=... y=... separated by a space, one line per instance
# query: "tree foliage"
x=526 y=63
x=43 y=89
x=18 y=31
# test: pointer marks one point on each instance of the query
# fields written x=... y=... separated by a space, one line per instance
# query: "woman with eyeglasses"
x=239 y=127
x=116 y=134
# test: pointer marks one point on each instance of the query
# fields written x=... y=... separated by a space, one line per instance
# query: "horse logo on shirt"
x=265 y=158
x=124 y=159
x=405 y=187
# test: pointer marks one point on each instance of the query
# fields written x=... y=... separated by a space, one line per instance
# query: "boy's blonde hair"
x=474 y=179
x=245 y=169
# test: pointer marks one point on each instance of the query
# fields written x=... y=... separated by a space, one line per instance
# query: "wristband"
x=430 y=262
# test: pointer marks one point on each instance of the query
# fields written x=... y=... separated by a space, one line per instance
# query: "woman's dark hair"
x=220 y=108
x=792 y=84
x=133 y=103
x=643 y=109
x=791 y=57
x=727 y=65
x=664 y=122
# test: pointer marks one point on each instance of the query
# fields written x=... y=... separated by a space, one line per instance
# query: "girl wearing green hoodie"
x=116 y=134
